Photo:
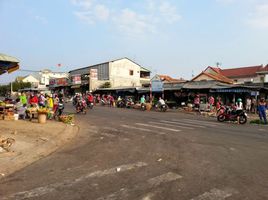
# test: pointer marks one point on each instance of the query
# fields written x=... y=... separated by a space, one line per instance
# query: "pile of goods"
x=43 y=111
x=7 y=111
x=67 y=119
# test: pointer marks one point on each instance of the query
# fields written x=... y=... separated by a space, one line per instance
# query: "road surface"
x=130 y=154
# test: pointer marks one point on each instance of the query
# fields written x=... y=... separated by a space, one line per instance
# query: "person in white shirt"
x=239 y=108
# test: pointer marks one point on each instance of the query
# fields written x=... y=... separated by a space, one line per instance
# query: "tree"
x=106 y=85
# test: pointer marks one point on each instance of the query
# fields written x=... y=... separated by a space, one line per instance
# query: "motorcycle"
x=59 y=111
x=161 y=108
x=90 y=105
x=228 y=114
x=81 y=107
x=120 y=104
x=143 y=107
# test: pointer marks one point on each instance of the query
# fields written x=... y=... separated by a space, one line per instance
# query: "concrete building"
x=118 y=73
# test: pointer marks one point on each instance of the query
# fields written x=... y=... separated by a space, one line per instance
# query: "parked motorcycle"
x=229 y=114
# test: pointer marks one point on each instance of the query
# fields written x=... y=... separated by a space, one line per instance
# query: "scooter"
x=228 y=114
x=59 y=111
x=81 y=107
x=161 y=108
x=143 y=107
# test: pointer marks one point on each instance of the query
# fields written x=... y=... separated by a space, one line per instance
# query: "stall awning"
x=8 y=64
x=75 y=86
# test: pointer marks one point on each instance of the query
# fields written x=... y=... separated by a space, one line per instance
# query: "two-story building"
x=116 y=73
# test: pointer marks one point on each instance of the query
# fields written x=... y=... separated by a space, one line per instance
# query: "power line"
x=29 y=70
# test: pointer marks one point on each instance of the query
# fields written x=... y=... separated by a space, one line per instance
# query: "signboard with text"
x=157 y=86
x=76 y=79
x=93 y=73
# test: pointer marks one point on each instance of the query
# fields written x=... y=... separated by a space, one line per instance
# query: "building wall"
x=248 y=79
x=44 y=77
x=124 y=73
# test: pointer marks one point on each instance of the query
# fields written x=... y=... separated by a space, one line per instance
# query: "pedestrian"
x=262 y=110
x=248 y=104
x=55 y=103
x=253 y=105
x=211 y=101
x=197 y=102
x=23 y=98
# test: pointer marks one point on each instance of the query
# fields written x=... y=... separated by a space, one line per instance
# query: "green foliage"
x=106 y=85
x=256 y=121
x=16 y=86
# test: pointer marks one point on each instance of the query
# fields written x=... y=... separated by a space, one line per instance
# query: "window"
x=131 y=72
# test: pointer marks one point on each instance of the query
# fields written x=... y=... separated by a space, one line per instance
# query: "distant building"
x=245 y=75
x=119 y=73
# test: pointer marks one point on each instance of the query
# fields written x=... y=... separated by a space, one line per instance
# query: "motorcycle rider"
x=161 y=102
x=239 y=108
x=142 y=100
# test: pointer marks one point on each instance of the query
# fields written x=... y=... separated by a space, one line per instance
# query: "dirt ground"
x=32 y=141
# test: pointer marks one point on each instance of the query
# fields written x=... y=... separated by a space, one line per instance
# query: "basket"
x=42 y=118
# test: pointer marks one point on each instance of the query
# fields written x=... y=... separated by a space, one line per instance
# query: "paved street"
x=129 y=154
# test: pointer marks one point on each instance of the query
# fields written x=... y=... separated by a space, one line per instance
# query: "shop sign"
x=52 y=82
x=93 y=74
x=62 y=81
x=157 y=85
x=76 y=79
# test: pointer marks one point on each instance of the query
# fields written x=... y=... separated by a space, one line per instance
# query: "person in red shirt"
x=33 y=100
x=90 y=98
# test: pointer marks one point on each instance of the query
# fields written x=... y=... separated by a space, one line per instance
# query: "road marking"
x=185 y=124
x=124 y=193
x=40 y=191
x=202 y=122
x=142 y=129
x=137 y=128
x=215 y=194
x=164 y=178
x=160 y=127
x=168 y=123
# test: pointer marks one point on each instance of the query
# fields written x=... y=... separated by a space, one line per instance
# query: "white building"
x=119 y=73
x=45 y=75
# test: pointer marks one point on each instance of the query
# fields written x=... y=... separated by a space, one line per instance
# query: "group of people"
x=37 y=100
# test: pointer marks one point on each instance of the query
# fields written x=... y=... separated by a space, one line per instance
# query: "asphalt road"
x=129 y=154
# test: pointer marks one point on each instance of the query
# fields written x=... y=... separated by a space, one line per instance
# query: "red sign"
x=76 y=79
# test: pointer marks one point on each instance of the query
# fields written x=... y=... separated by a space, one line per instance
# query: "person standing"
x=253 y=105
x=23 y=98
x=262 y=110
x=248 y=104
x=55 y=103
x=211 y=101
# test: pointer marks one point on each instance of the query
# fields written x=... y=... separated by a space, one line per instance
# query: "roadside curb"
x=30 y=156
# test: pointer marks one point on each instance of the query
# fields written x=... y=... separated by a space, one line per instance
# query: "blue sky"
x=173 y=37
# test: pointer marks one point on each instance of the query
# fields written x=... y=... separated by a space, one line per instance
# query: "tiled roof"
x=216 y=75
x=243 y=71
x=169 y=79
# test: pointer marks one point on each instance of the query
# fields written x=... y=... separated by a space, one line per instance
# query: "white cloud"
x=259 y=18
x=102 y=12
x=169 y=12
x=152 y=14
x=132 y=23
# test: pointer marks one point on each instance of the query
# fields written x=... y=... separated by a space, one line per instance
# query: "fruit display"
x=68 y=119
x=43 y=111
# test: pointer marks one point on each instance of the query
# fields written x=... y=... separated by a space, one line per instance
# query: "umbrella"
x=8 y=64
